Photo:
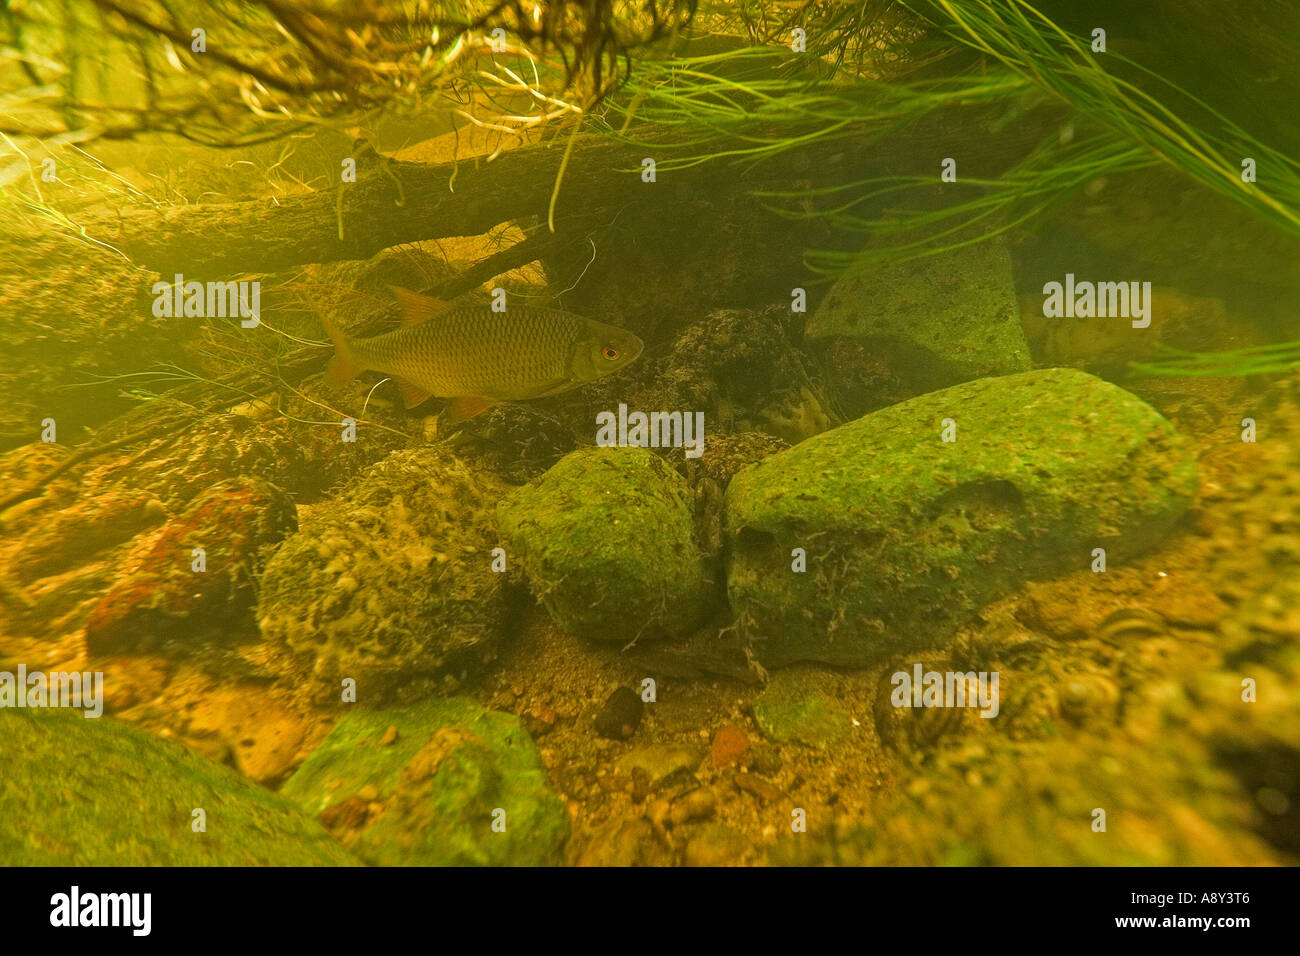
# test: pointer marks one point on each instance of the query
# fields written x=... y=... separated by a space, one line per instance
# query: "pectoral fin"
x=550 y=388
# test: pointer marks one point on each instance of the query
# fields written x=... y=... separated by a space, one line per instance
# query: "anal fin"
x=466 y=407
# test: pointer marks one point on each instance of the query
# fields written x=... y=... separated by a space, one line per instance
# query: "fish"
x=477 y=358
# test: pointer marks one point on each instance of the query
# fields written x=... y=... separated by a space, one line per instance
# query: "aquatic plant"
x=1256 y=360
x=1020 y=37
x=750 y=104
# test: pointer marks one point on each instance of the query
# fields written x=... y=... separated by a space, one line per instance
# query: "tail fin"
x=343 y=367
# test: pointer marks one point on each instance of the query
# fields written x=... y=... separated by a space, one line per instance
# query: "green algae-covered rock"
x=391 y=584
x=421 y=786
x=94 y=792
x=607 y=541
x=794 y=709
x=943 y=319
x=907 y=536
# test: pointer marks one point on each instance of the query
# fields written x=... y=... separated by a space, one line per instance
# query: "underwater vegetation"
x=664 y=433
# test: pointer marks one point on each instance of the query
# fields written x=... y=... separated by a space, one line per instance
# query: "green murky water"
x=662 y=435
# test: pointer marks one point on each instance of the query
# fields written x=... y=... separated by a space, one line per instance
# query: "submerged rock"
x=166 y=590
x=907 y=536
x=728 y=454
x=940 y=320
x=729 y=745
x=794 y=708
x=52 y=541
x=456 y=785
x=741 y=369
x=606 y=539
x=67 y=544
x=93 y=792
x=515 y=440
x=627 y=841
x=660 y=762
x=716 y=844
x=391 y=584
x=1105 y=345
x=212 y=447
x=1037 y=804
x=620 y=715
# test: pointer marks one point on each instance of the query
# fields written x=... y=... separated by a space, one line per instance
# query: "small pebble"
x=761 y=789
x=620 y=715
x=640 y=785
x=729 y=745
x=765 y=760
x=699 y=804
x=368 y=794
x=657 y=810
x=538 y=719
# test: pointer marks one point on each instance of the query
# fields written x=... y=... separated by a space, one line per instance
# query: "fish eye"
x=610 y=352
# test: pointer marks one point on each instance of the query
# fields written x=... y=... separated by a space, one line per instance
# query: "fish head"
x=602 y=350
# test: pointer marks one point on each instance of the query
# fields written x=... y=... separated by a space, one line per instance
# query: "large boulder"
x=390 y=584
x=94 y=792
x=907 y=536
x=938 y=321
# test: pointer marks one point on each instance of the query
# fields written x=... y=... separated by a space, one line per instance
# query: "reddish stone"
x=729 y=745
x=351 y=814
x=158 y=592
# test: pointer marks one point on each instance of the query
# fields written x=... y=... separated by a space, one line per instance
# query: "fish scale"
x=465 y=352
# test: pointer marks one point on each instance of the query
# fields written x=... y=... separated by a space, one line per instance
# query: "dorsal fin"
x=417 y=308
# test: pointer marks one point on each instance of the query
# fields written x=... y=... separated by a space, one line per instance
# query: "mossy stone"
x=794 y=709
x=607 y=541
x=95 y=792
x=942 y=320
x=908 y=536
x=434 y=786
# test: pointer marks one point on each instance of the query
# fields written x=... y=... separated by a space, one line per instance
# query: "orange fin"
x=412 y=395
x=343 y=367
x=466 y=407
x=417 y=308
